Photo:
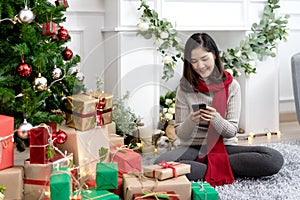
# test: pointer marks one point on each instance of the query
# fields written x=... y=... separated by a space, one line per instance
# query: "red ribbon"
x=100 y=108
x=37 y=182
x=164 y=164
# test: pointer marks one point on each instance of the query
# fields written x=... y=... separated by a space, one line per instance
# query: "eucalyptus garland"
x=259 y=43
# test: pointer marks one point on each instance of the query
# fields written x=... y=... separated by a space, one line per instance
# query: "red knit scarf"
x=218 y=167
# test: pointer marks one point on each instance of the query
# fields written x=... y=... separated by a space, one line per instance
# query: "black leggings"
x=245 y=161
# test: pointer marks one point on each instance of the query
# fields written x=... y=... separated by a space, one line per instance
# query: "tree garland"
x=260 y=43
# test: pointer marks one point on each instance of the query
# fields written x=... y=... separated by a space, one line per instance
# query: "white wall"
x=104 y=34
x=84 y=22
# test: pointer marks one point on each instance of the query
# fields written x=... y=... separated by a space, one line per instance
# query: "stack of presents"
x=91 y=161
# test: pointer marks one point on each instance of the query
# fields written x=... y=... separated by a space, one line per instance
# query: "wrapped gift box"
x=60 y=185
x=156 y=195
x=127 y=159
x=135 y=184
x=203 y=191
x=37 y=176
x=85 y=111
x=166 y=170
x=107 y=176
x=12 y=179
x=38 y=138
x=104 y=107
x=49 y=28
x=81 y=111
x=99 y=194
x=115 y=141
x=6 y=141
x=85 y=147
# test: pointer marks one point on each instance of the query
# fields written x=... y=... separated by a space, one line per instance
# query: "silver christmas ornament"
x=24 y=129
x=40 y=83
x=80 y=76
x=26 y=15
x=56 y=73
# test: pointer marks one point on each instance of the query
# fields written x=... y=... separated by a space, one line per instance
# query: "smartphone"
x=197 y=107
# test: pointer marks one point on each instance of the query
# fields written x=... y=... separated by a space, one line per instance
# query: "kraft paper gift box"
x=81 y=111
x=85 y=147
x=127 y=159
x=107 y=176
x=99 y=194
x=136 y=183
x=156 y=195
x=6 y=141
x=203 y=191
x=115 y=141
x=12 y=179
x=104 y=107
x=38 y=138
x=60 y=185
x=165 y=170
x=37 y=176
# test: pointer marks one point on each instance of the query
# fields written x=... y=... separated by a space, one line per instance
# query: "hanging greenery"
x=259 y=43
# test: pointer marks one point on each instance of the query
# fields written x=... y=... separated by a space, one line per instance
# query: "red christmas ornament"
x=24 y=69
x=63 y=33
x=67 y=54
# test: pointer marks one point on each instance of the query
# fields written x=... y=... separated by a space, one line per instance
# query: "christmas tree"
x=38 y=71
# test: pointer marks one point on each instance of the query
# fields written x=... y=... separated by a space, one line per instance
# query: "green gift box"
x=60 y=185
x=203 y=191
x=99 y=194
x=107 y=176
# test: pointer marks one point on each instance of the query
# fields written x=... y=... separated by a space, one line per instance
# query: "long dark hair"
x=206 y=42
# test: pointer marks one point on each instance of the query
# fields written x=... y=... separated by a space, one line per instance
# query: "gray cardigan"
x=191 y=133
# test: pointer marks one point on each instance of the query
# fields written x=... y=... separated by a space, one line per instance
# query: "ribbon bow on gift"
x=157 y=195
x=100 y=108
x=164 y=164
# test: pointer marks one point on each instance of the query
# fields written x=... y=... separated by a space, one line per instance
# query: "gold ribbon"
x=97 y=197
x=157 y=195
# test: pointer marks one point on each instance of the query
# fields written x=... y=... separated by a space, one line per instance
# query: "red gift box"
x=38 y=145
x=128 y=160
x=156 y=195
x=6 y=142
x=49 y=28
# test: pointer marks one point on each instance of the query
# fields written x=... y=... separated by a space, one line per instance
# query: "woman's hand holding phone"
x=202 y=112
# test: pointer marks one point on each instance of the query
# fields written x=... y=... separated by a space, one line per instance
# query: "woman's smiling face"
x=203 y=62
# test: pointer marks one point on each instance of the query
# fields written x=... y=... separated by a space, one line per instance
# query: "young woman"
x=207 y=134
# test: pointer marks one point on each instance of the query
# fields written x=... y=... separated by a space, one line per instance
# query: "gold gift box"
x=85 y=111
